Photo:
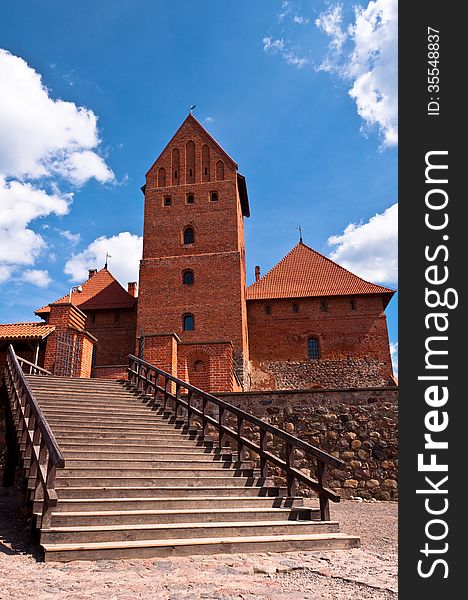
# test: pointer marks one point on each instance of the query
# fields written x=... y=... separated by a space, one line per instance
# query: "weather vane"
x=107 y=258
x=299 y=228
x=192 y=108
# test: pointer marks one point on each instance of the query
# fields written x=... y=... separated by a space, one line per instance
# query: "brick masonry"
x=358 y=426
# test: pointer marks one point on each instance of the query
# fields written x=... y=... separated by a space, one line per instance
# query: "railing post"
x=177 y=399
x=166 y=385
x=240 y=435
x=291 y=480
x=263 y=458
x=220 y=424
x=204 y=421
x=189 y=408
x=322 y=478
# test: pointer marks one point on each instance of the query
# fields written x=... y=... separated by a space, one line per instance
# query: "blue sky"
x=282 y=86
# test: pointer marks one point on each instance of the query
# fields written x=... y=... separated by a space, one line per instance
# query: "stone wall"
x=351 y=372
x=359 y=426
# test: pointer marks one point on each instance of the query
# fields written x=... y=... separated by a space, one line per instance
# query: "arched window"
x=313 y=347
x=188 y=323
x=190 y=162
x=188 y=277
x=219 y=170
x=268 y=310
x=205 y=163
x=162 y=177
x=199 y=365
x=175 y=167
x=190 y=198
x=189 y=235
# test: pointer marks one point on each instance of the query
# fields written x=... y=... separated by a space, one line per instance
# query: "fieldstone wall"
x=2 y=433
x=359 y=426
x=293 y=375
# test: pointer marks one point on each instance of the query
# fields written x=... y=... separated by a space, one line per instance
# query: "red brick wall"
x=86 y=355
x=217 y=257
x=115 y=335
x=110 y=372
x=216 y=374
x=278 y=341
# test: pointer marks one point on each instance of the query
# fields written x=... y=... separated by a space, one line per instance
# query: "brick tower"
x=192 y=317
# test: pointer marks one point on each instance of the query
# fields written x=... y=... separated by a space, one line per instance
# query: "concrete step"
x=188 y=456
x=184 y=447
x=168 y=531
x=182 y=515
x=134 y=489
x=188 y=547
x=97 y=423
x=221 y=480
x=80 y=505
x=154 y=470
x=172 y=463
x=146 y=433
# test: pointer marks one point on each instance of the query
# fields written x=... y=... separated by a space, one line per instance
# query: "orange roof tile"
x=25 y=331
x=100 y=291
x=307 y=273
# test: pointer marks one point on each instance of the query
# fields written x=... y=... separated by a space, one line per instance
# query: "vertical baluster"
x=189 y=407
x=177 y=395
x=166 y=384
x=322 y=478
x=220 y=423
x=204 y=421
x=291 y=480
x=240 y=434
x=263 y=458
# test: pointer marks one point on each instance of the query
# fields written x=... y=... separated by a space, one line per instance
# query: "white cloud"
x=394 y=356
x=280 y=46
x=73 y=238
x=38 y=277
x=300 y=20
x=370 y=64
x=370 y=249
x=41 y=141
x=125 y=250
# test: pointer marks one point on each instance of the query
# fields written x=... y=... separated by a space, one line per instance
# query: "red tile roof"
x=306 y=273
x=25 y=331
x=100 y=291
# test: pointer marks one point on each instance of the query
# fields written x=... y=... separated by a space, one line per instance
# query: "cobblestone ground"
x=369 y=572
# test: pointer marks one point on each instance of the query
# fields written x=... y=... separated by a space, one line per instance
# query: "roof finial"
x=193 y=106
x=299 y=228
x=107 y=259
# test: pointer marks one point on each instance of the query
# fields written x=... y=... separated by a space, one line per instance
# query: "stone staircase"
x=139 y=483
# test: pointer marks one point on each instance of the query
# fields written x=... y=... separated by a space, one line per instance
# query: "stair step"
x=184 y=503
x=182 y=515
x=155 y=471
x=187 y=547
x=146 y=462
x=117 y=533
x=116 y=445
x=163 y=482
x=180 y=456
x=139 y=491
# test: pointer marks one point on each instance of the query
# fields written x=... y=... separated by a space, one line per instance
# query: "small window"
x=93 y=318
x=188 y=277
x=199 y=366
x=189 y=236
x=214 y=196
x=205 y=172
x=267 y=309
x=190 y=199
x=188 y=323
x=116 y=316
x=295 y=307
x=175 y=174
x=323 y=306
x=352 y=304
x=167 y=201
x=313 y=348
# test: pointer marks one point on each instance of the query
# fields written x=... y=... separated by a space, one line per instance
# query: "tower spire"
x=299 y=228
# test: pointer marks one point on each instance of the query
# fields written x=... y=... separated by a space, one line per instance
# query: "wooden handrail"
x=40 y=452
x=33 y=369
x=146 y=377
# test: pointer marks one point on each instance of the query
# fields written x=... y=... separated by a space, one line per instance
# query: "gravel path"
x=368 y=572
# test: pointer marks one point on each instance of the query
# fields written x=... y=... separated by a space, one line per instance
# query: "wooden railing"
x=210 y=410
x=30 y=368
x=39 y=451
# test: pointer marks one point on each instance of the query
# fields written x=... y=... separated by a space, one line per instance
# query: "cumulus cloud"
x=370 y=249
x=73 y=238
x=125 y=250
x=44 y=142
x=37 y=277
x=364 y=53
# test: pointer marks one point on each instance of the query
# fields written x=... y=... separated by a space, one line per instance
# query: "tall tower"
x=192 y=302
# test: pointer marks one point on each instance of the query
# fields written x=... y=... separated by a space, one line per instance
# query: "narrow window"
x=167 y=201
x=199 y=365
x=175 y=166
x=214 y=196
x=188 y=277
x=219 y=170
x=295 y=307
x=116 y=316
x=313 y=347
x=323 y=306
x=189 y=235
x=352 y=304
x=162 y=177
x=190 y=161
x=190 y=199
x=267 y=309
x=205 y=163
x=93 y=318
x=188 y=323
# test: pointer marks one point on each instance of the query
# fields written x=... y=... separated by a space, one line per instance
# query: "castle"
x=306 y=323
